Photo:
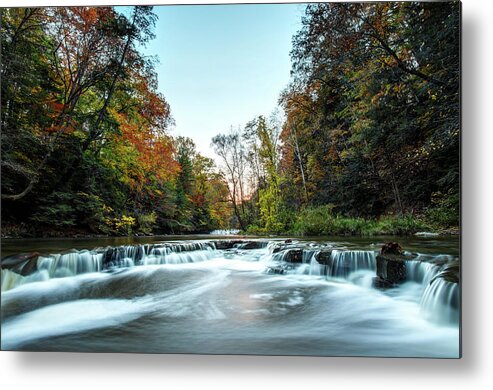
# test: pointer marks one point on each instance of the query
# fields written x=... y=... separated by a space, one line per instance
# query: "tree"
x=229 y=147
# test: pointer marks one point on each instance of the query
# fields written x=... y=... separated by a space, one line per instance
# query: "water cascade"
x=101 y=259
x=300 y=290
x=440 y=301
x=342 y=263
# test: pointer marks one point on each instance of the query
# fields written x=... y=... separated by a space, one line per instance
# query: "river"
x=185 y=295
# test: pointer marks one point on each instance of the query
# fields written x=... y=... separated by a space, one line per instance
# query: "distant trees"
x=230 y=148
x=85 y=133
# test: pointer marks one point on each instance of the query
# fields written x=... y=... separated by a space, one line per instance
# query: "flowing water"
x=156 y=295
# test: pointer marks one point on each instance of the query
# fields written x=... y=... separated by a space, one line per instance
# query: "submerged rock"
x=275 y=270
x=378 y=282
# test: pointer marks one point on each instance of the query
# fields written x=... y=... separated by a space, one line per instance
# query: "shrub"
x=444 y=212
x=146 y=222
x=320 y=221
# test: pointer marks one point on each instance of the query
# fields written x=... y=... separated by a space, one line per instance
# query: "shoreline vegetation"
x=365 y=140
x=310 y=223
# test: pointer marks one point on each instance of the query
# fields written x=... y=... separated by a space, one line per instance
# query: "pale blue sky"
x=222 y=65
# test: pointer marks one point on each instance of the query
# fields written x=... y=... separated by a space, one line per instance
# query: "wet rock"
x=391 y=248
x=275 y=270
x=22 y=263
x=323 y=257
x=392 y=268
x=451 y=272
x=252 y=245
x=277 y=248
x=391 y=263
x=227 y=244
x=294 y=255
x=381 y=283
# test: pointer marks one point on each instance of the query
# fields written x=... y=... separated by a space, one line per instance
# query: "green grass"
x=321 y=221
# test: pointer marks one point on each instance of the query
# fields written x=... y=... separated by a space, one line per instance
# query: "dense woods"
x=370 y=138
x=86 y=146
x=367 y=140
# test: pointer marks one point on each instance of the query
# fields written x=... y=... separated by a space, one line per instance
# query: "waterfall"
x=421 y=271
x=342 y=263
x=440 y=301
x=100 y=259
x=69 y=264
x=315 y=267
x=310 y=265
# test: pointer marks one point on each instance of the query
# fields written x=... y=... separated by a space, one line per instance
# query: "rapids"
x=191 y=297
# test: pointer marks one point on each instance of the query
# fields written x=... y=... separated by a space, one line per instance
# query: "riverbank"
x=342 y=227
x=320 y=221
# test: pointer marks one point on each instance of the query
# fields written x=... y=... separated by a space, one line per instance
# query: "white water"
x=191 y=298
x=225 y=232
x=440 y=301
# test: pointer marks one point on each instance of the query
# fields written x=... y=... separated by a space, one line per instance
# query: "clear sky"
x=222 y=65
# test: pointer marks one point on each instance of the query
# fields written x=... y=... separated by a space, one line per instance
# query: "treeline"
x=370 y=137
x=85 y=134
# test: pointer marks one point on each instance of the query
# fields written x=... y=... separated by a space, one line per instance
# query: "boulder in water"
x=294 y=255
x=252 y=245
x=227 y=244
x=323 y=257
x=22 y=263
x=451 y=272
x=391 y=248
x=391 y=268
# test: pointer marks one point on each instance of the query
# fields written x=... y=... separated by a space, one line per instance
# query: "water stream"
x=190 y=296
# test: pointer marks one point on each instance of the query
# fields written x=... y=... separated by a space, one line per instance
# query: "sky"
x=222 y=65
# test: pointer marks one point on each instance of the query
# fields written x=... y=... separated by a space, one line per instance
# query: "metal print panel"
x=266 y=179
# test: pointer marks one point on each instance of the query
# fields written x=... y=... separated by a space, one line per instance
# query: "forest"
x=366 y=139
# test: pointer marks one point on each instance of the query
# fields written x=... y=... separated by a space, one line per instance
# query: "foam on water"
x=70 y=317
x=198 y=299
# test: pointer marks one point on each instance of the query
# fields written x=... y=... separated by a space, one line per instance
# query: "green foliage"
x=372 y=116
x=69 y=209
x=57 y=207
x=146 y=222
x=85 y=141
x=444 y=210
x=320 y=221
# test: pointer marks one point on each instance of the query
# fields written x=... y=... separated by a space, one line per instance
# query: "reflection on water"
x=433 y=245
x=226 y=302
